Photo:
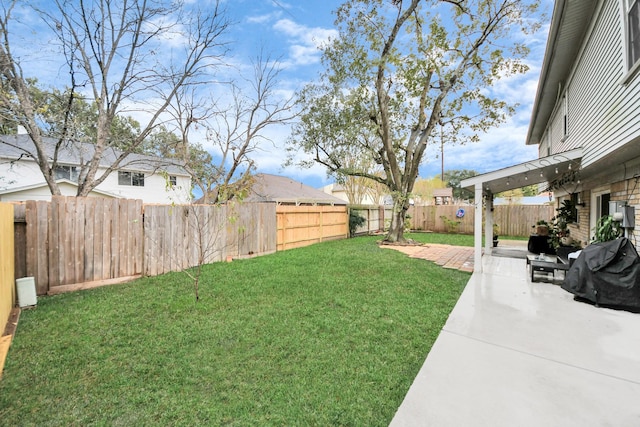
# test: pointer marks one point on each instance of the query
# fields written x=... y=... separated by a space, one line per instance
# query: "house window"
x=66 y=172
x=602 y=205
x=131 y=178
x=599 y=207
x=173 y=180
x=633 y=19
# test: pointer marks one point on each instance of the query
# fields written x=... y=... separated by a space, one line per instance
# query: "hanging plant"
x=567 y=213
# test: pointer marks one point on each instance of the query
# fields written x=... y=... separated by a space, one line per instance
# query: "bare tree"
x=235 y=128
x=116 y=55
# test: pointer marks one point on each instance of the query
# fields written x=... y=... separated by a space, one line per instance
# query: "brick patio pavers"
x=447 y=256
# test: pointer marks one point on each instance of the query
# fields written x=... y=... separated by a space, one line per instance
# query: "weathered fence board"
x=75 y=240
x=377 y=217
x=77 y=243
x=179 y=237
x=513 y=220
x=517 y=220
x=20 y=240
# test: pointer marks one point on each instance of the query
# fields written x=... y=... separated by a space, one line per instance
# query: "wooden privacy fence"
x=179 y=237
x=516 y=220
x=513 y=220
x=74 y=243
x=304 y=225
x=377 y=217
x=74 y=240
x=7 y=288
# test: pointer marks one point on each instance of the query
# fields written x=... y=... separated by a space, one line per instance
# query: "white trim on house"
x=41 y=191
x=543 y=170
x=59 y=181
x=20 y=174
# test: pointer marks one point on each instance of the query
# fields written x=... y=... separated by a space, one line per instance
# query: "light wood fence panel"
x=304 y=225
x=513 y=220
x=430 y=218
x=517 y=220
x=7 y=276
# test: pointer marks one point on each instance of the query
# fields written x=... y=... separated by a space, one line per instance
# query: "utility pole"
x=441 y=153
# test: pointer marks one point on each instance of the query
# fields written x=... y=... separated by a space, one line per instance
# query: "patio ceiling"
x=553 y=169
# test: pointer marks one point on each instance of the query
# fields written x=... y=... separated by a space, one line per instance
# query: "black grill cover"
x=607 y=274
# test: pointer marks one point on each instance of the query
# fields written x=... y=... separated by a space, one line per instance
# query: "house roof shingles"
x=14 y=147
x=280 y=189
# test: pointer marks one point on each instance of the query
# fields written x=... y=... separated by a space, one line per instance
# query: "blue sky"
x=292 y=31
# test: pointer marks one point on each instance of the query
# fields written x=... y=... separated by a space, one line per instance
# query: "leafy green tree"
x=397 y=70
x=197 y=161
x=530 y=190
x=453 y=179
x=64 y=112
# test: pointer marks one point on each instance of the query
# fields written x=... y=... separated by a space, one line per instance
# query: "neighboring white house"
x=151 y=179
x=586 y=116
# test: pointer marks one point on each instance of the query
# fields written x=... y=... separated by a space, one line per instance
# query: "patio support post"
x=477 y=229
x=488 y=224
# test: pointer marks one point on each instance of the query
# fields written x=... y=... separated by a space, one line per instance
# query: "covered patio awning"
x=551 y=169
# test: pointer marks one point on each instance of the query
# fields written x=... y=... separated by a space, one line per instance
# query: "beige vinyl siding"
x=603 y=113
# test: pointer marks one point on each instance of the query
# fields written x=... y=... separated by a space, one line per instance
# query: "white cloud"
x=305 y=42
x=263 y=19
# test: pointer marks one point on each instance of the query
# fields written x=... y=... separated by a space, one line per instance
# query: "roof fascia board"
x=549 y=53
x=526 y=167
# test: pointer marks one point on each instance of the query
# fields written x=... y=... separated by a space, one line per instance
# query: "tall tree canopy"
x=401 y=68
x=111 y=51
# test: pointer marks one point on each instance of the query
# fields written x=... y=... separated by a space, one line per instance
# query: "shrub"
x=450 y=224
x=355 y=221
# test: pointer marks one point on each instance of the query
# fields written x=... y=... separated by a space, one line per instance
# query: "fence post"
x=7 y=262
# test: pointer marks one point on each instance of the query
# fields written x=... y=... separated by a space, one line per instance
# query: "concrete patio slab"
x=516 y=353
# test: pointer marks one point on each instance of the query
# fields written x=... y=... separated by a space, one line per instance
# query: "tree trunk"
x=396 y=229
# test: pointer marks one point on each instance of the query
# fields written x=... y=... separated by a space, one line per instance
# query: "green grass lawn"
x=441 y=238
x=455 y=239
x=330 y=334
